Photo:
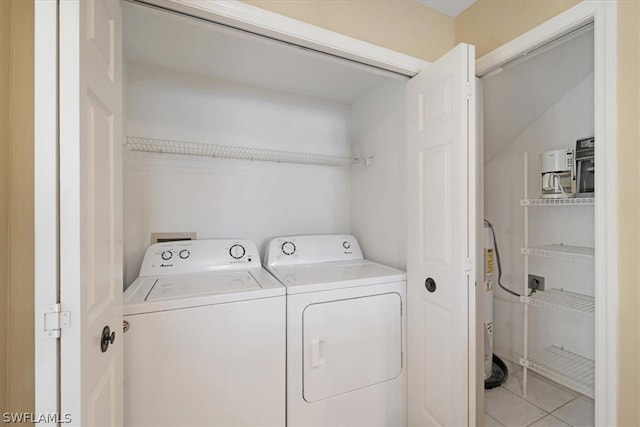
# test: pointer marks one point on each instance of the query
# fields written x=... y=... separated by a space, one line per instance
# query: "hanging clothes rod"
x=167 y=146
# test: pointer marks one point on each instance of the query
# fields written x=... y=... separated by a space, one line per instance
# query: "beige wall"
x=629 y=210
x=16 y=213
x=5 y=15
x=401 y=25
x=488 y=24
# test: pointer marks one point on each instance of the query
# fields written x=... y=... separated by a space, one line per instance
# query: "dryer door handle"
x=318 y=350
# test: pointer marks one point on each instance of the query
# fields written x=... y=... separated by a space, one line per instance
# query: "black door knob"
x=108 y=337
x=430 y=284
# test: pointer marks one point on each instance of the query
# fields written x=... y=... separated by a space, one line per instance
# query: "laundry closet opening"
x=233 y=135
x=539 y=196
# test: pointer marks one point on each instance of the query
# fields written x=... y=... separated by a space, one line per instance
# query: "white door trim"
x=259 y=21
x=46 y=202
x=603 y=14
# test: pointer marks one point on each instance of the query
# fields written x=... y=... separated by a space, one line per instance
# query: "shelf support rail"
x=525 y=352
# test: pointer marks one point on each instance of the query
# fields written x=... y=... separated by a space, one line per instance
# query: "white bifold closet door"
x=441 y=242
x=90 y=146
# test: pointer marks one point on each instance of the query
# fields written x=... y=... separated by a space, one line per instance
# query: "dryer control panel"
x=194 y=256
x=293 y=250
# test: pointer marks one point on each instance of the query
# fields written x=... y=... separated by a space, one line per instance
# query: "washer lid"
x=172 y=287
x=325 y=276
x=160 y=293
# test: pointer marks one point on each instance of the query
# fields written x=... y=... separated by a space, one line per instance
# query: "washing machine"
x=346 y=362
x=204 y=340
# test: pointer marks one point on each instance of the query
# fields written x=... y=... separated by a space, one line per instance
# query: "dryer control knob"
x=184 y=254
x=237 y=251
x=288 y=248
x=166 y=255
x=346 y=244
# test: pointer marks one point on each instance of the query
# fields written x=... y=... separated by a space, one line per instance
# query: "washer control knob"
x=184 y=254
x=166 y=255
x=237 y=251
x=346 y=244
x=288 y=248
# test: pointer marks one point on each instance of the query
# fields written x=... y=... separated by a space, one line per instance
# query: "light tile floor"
x=546 y=405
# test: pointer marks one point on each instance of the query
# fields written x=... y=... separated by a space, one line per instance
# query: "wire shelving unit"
x=167 y=146
x=569 y=369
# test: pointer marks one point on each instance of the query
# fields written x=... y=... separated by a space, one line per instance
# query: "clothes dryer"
x=345 y=333
x=205 y=338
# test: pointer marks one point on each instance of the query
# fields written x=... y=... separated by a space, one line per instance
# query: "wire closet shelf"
x=167 y=146
x=561 y=251
x=576 y=201
x=562 y=301
x=566 y=368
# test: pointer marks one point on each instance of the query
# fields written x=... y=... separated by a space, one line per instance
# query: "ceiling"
x=167 y=40
x=519 y=93
x=451 y=8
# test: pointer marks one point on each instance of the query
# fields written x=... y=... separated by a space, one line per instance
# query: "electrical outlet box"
x=536 y=283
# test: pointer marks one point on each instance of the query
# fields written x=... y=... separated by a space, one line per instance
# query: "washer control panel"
x=311 y=249
x=193 y=256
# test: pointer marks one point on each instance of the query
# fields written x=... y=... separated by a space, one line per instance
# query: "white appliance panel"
x=214 y=365
x=351 y=344
x=197 y=289
x=380 y=404
x=334 y=275
x=207 y=346
x=177 y=287
x=345 y=333
x=191 y=256
x=296 y=250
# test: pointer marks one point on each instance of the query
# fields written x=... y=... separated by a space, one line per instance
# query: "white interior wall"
x=569 y=119
x=527 y=87
x=224 y=197
x=378 y=192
